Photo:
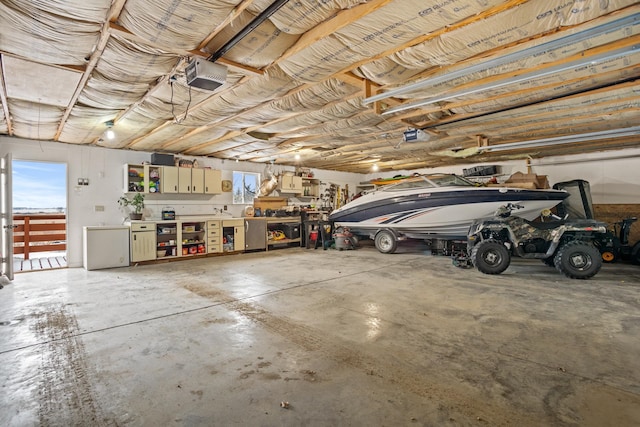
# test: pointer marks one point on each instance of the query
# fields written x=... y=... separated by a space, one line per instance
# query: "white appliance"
x=105 y=246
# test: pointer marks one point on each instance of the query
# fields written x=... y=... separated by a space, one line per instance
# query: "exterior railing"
x=39 y=233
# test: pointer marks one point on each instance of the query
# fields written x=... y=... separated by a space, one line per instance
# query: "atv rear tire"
x=386 y=242
x=490 y=257
x=578 y=260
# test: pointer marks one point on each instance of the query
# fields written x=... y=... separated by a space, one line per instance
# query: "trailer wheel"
x=386 y=242
x=578 y=260
x=490 y=257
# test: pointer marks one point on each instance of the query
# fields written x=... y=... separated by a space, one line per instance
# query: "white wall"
x=105 y=170
x=614 y=176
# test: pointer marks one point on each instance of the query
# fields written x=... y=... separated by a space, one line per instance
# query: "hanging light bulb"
x=297 y=157
x=375 y=167
x=110 y=134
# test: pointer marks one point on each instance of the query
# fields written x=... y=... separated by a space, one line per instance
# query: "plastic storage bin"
x=291 y=231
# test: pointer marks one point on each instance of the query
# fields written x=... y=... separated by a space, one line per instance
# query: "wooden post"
x=26 y=238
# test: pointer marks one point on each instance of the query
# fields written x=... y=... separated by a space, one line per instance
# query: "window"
x=245 y=187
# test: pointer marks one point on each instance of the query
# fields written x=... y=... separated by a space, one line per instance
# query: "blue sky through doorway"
x=39 y=186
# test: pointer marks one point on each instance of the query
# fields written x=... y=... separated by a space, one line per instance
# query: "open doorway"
x=39 y=200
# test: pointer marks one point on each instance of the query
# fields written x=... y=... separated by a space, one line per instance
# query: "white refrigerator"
x=105 y=246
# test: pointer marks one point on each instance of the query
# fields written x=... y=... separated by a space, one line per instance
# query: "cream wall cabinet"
x=212 y=181
x=184 y=180
x=290 y=184
x=197 y=181
x=141 y=178
x=169 y=179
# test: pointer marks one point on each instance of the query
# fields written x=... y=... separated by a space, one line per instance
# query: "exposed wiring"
x=172 y=79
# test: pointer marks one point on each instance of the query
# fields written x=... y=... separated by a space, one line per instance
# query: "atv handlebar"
x=505 y=211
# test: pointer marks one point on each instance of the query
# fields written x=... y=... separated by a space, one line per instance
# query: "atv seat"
x=546 y=225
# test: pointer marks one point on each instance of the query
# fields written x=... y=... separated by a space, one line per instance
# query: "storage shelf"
x=283 y=241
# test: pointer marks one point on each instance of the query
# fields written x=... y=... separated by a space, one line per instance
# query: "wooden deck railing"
x=39 y=233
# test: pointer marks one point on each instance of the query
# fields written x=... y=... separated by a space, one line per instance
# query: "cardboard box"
x=529 y=180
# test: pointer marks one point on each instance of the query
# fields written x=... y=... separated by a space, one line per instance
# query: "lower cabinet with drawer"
x=179 y=239
x=214 y=236
x=232 y=235
x=143 y=241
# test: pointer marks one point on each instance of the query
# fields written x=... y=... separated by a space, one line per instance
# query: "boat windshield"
x=429 y=181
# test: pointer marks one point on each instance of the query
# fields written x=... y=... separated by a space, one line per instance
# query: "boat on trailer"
x=436 y=206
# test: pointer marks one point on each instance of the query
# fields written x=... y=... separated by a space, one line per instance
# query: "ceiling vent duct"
x=204 y=74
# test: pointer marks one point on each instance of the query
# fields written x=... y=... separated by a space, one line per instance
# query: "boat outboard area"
x=434 y=206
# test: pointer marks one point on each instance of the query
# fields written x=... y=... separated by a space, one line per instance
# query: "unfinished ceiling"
x=337 y=82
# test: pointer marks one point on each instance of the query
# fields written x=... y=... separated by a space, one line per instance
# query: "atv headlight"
x=475 y=227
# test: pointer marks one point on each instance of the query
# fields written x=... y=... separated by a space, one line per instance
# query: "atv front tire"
x=578 y=260
x=490 y=257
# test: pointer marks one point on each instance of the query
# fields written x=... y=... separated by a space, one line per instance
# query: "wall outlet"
x=98 y=208
x=225 y=207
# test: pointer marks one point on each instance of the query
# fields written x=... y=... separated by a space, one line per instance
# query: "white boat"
x=438 y=206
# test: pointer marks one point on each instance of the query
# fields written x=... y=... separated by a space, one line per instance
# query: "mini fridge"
x=255 y=234
x=105 y=246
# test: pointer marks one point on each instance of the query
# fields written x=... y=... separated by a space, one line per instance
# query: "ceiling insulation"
x=311 y=79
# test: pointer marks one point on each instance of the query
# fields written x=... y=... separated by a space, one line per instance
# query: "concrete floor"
x=347 y=338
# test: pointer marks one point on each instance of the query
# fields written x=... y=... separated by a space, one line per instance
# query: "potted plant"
x=137 y=203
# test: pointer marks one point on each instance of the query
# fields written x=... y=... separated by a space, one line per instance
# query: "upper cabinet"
x=171 y=180
x=141 y=178
x=290 y=184
x=184 y=180
x=197 y=181
x=310 y=187
x=212 y=181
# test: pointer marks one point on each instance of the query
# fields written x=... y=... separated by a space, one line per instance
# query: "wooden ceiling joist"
x=3 y=98
x=113 y=14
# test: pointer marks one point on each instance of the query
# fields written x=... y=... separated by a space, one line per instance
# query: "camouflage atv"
x=565 y=244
